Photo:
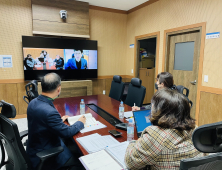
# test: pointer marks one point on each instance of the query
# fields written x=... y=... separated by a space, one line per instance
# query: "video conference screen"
x=70 y=58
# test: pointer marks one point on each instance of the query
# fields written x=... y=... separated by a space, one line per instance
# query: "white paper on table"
x=118 y=152
x=94 y=143
x=90 y=120
x=99 y=160
x=128 y=114
x=88 y=128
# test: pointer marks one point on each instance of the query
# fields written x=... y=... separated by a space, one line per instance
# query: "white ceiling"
x=116 y=4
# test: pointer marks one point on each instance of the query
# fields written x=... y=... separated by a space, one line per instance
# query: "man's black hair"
x=50 y=82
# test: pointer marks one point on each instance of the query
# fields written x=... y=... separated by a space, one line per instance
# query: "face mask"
x=156 y=86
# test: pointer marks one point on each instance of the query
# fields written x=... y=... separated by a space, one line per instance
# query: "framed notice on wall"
x=5 y=60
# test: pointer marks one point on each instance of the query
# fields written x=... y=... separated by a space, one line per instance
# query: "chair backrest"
x=183 y=90
x=31 y=91
x=10 y=139
x=136 y=93
x=207 y=139
x=210 y=162
x=117 y=88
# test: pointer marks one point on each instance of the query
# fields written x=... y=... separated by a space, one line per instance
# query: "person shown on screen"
x=59 y=62
x=29 y=62
x=46 y=128
x=44 y=55
x=169 y=139
x=77 y=62
x=163 y=80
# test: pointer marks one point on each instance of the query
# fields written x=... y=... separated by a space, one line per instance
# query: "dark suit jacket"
x=45 y=129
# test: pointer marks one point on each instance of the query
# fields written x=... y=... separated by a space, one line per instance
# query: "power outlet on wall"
x=132 y=71
x=104 y=91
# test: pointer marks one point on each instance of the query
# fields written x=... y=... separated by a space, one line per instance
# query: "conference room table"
x=71 y=107
x=49 y=66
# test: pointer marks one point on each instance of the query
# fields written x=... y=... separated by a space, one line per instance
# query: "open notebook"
x=112 y=157
x=90 y=125
x=90 y=120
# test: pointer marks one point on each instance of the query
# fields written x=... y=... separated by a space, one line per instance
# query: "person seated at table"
x=163 y=80
x=76 y=62
x=43 y=55
x=169 y=139
x=59 y=62
x=46 y=128
x=29 y=62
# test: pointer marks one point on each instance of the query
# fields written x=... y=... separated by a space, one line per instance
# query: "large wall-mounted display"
x=70 y=58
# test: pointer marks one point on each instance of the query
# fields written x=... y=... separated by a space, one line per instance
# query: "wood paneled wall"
x=210 y=108
x=47 y=20
x=13 y=93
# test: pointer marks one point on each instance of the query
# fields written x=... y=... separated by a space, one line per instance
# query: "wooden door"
x=143 y=77
x=185 y=77
x=147 y=77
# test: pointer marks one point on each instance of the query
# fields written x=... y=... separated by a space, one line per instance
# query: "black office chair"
x=183 y=90
x=117 y=88
x=10 y=142
x=125 y=91
x=136 y=93
x=31 y=91
x=207 y=139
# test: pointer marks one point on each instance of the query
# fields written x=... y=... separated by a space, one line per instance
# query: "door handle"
x=193 y=82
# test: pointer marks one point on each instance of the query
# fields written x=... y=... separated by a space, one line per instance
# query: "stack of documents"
x=112 y=157
x=95 y=142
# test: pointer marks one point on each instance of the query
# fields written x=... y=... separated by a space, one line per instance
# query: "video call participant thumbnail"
x=77 y=62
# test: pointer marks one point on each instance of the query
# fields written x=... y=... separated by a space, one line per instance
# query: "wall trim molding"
x=60 y=34
x=107 y=9
x=211 y=90
x=5 y=81
x=122 y=11
x=111 y=76
x=141 y=6
x=9 y=81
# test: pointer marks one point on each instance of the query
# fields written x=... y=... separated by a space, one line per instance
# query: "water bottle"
x=82 y=107
x=130 y=130
x=121 y=110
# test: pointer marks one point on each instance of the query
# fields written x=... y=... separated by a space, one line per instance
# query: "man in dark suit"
x=46 y=127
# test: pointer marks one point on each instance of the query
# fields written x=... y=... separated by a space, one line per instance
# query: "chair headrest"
x=136 y=82
x=8 y=110
x=34 y=82
x=207 y=138
x=117 y=78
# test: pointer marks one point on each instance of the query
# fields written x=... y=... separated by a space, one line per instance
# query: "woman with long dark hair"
x=168 y=140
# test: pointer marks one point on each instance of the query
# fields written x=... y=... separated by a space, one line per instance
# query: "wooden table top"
x=71 y=106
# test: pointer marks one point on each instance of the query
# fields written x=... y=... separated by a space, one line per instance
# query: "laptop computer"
x=141 y=119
